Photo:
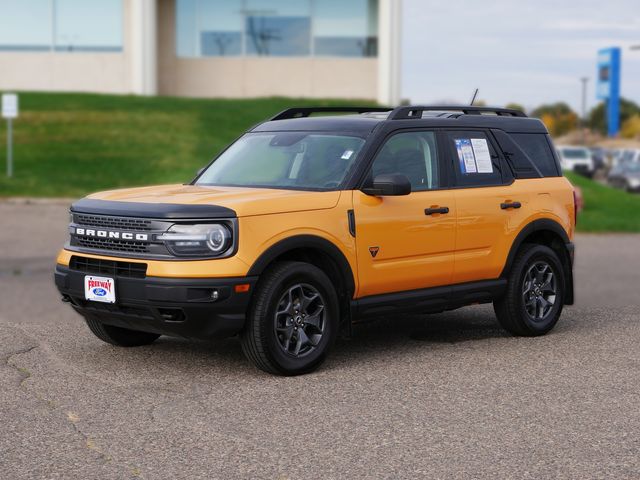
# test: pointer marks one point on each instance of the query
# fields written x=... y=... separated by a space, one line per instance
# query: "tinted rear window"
x=537 y=148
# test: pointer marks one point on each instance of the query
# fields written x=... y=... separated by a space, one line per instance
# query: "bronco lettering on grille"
x=91 y=232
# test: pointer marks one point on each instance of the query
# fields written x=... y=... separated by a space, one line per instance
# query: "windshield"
x=294 y=160
x=574 y=153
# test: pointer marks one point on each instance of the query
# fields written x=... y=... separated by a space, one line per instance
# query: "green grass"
x=68 y=145
x=606 y=209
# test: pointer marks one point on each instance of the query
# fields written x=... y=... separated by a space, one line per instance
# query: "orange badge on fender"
x=374 y=251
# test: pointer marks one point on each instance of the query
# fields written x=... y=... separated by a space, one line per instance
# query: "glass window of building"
x=276 y=28
x=61 y=25
x=88 y=25
x=209 y=28
x=186 y=31
x=24 y=25
x=345 y=29
x=220 y=28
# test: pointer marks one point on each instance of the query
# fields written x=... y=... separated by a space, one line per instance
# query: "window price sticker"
x=466 y=156
x=474 y=155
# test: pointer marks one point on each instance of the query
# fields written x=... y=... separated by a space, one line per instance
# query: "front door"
x=406 y=242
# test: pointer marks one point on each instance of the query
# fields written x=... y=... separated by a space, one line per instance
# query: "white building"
x=203 y=48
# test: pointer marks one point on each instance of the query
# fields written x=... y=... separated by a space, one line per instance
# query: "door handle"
x=433 y=211
x=505 y=206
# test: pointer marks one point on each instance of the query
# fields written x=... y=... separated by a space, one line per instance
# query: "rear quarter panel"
x=549 y=198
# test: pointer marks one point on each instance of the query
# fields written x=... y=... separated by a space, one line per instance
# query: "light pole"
x=583 y=123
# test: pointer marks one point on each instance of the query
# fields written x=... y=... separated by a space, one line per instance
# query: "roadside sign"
x=9 y=105
x=608 y=86
x=9 y=111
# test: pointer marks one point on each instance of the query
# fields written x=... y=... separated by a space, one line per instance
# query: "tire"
x=292 y=321
x=120 y=337
x=524 y=309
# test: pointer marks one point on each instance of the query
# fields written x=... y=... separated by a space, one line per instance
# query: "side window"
x=414 y=154
x=537 y=148
x=475 y=160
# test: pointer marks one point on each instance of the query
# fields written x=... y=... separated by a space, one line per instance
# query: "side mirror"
x=199 y=172
x=389 y=184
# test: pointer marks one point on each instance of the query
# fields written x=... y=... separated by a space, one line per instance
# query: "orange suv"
x=307 y=224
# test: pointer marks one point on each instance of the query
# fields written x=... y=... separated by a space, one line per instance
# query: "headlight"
x=634 y=182
x=197 y=240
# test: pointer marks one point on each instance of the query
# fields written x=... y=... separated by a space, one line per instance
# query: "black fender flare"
x=305 y=242
x=545 y=224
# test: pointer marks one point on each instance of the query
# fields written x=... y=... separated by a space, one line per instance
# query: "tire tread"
x=253 y=338
x=508 y=308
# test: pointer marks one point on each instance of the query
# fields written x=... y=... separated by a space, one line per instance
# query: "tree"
x=597 y=117
x=515 y=106
x=557 y=117
x=631 y=127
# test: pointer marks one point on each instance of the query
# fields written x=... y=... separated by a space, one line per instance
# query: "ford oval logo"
x=100 y=292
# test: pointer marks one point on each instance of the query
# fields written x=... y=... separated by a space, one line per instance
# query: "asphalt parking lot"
x=441 y=396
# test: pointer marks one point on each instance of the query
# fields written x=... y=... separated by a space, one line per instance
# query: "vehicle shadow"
x=447 y=327
x=402 y=334
x=406 y=334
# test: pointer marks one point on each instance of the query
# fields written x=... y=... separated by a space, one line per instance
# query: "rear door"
x=490 y=206
x=406 y=242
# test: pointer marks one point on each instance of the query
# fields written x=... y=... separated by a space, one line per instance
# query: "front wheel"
x=535 y=293
x=293 y=320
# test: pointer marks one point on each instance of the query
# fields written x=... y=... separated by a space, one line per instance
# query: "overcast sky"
x=525 y=51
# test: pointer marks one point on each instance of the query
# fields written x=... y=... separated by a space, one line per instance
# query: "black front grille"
x=121 y=223
x=113 y=244
x=108 y=267
x=103 y=230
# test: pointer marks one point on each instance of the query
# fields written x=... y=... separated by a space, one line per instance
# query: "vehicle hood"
x=244 y=201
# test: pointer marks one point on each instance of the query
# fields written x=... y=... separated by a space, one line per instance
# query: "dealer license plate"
x=99 y=289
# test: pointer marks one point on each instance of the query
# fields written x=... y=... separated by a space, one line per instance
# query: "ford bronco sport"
x=306 y=224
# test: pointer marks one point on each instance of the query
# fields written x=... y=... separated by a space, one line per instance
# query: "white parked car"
x=629 y=156
x=577 y=159
x=616 y=154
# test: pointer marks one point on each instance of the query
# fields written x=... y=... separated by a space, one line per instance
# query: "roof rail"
x=412 y=112
x=300 y=112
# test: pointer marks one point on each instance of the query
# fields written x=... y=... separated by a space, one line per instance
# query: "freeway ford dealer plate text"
x=99 y=289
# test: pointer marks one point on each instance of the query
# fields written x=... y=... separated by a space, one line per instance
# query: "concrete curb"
x=36 y=201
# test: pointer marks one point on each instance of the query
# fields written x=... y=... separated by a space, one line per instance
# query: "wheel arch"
x=551 y=234
x=317 y=251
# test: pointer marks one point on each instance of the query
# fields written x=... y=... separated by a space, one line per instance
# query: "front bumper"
x=181 y=307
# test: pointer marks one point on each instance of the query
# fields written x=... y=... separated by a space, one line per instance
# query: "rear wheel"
x=293 y=320
x=121 y=337
x=535 y=292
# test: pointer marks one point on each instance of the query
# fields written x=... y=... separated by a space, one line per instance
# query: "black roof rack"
x=300 y=112
x=412 y=112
